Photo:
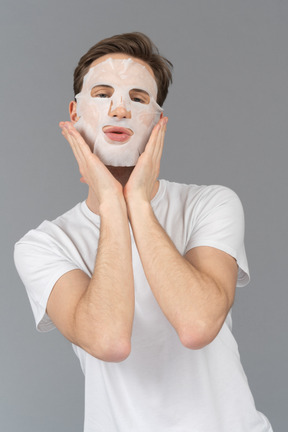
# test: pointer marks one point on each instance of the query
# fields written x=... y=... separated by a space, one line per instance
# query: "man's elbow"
x=112 y=351
x=198 y=336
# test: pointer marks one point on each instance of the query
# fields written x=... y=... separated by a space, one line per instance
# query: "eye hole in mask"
x=104 y=91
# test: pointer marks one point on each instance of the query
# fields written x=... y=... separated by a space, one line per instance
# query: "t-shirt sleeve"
x=41 y=261
x=218 y=221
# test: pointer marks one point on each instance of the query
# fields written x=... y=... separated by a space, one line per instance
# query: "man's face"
x=117 y=108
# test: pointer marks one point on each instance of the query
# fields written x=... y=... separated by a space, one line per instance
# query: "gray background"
x=228 y=119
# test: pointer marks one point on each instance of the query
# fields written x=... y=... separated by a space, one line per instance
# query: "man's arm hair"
x=97 y=314
x=195 y=292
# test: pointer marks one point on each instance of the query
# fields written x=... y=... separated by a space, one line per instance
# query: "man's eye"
x=137 y=99
x=101 y=95
x=102 y=92
x=139 y=96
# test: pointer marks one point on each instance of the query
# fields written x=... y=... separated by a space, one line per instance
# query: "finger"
x=74 y=146
x=160 y=139
x=80 y=148
x=81 y=145
x=78 y=144
x=149 y=149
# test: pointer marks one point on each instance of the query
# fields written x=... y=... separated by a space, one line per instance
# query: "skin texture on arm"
x=195 y=292
x=97 y=313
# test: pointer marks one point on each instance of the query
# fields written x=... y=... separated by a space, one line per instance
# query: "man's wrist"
x=138 y=209
x=112 y=206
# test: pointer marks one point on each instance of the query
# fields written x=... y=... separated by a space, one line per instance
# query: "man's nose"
x=119 y=109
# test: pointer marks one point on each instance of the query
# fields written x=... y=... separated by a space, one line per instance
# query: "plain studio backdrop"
x=228 y=120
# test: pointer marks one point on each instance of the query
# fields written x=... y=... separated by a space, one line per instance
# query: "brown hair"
x=135 y=44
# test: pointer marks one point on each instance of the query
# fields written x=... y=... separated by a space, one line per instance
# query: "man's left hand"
x=144 y=176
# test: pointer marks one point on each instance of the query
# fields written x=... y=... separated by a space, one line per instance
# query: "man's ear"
x=73 y=111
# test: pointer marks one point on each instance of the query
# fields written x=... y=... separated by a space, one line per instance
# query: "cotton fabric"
x=162 y=386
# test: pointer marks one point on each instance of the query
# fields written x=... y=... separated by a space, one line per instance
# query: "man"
x=141 y=276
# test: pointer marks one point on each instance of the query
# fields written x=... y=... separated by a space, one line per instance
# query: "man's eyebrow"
x=140 y=91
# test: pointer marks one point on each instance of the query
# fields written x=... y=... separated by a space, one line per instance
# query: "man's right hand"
x=93 y=171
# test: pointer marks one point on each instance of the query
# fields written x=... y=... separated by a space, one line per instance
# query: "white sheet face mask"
x=98 y=108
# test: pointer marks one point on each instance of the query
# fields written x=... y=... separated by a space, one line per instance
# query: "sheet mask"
x=95 y=113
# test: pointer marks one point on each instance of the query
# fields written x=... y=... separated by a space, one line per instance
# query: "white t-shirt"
x=162 y=386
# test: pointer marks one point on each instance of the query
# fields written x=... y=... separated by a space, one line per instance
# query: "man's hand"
x=145 y=174
x=93 y=171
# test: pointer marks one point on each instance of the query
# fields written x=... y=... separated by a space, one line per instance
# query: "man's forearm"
x=104 y=315
x=190 y=300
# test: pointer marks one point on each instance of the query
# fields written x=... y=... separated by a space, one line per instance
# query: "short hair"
x=134 y=44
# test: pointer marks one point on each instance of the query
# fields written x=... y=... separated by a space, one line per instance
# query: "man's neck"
x=121 y=174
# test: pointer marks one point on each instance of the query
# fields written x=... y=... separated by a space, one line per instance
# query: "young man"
x=141 y=276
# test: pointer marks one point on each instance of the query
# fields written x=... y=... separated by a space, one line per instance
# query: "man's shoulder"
x=212 y=194
x=52 y=228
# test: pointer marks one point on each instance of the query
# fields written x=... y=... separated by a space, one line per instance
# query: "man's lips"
x=116 y=133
